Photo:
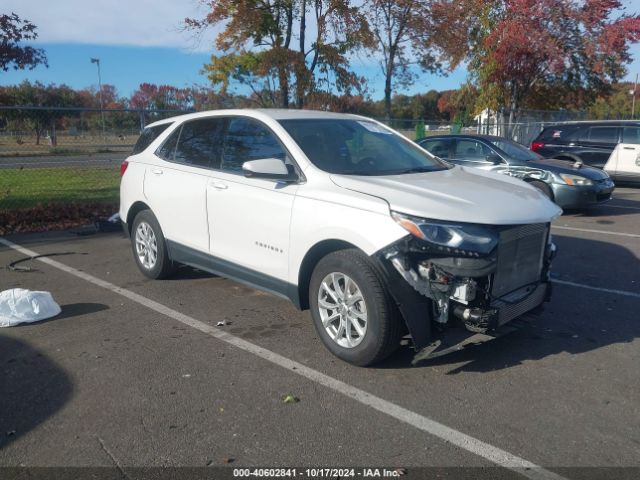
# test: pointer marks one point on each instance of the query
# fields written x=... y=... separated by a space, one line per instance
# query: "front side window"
x=631 y=135
x=147 y=137
x=358 y=147
x=248 y=139
x=471 y=150
x=200 y=143
x=603 y=134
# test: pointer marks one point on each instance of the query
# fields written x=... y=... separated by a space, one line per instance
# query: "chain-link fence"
x=59 y=167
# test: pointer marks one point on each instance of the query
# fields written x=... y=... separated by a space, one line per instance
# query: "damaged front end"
x=475 y=276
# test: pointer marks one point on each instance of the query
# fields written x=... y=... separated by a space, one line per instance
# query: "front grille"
x=520 y=255
x=511 y=310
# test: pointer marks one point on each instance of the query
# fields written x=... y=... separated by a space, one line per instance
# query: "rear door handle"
x=219 y=186
x=629 y=148
x=156 y=171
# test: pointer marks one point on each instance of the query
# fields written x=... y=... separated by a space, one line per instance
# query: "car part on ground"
x=18 y=306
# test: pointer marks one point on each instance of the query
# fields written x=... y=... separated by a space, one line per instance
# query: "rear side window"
x=603 y=134
x=147 y=137
x=631 y=135
x=439 y=148
x=200 y=143
x=168 y=149
x=246 y=140
x=560 y=133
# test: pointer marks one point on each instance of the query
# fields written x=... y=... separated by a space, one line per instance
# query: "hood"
x=564 y=166
x=459 y=195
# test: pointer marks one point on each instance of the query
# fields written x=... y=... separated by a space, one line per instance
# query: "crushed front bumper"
x=482 y=295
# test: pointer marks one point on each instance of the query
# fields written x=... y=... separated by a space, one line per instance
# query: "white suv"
x=342 y=216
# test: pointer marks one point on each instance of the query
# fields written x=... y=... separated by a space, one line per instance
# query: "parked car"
x=569 y=184
x=611 y=145
x=342 y=216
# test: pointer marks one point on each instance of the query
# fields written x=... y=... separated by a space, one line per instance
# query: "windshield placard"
x=375 y=128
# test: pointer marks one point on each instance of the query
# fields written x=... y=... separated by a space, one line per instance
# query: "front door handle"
x=219 y=186
x=156 y=171
x=629 y=148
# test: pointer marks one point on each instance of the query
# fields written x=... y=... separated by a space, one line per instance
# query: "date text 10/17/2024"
x=318 y=472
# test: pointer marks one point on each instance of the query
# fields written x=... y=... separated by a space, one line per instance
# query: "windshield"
x=358 y=147
x=515 y=150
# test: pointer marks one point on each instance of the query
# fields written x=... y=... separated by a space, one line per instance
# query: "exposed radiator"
x=520 y=256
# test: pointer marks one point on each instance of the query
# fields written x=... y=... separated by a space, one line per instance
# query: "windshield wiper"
x=414 y=170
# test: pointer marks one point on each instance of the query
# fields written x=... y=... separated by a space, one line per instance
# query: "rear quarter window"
x=147 y=137
x=560 y=133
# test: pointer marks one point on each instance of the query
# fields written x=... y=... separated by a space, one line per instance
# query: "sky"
x=142 y=41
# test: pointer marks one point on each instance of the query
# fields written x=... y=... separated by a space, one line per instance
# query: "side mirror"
x=494 y=158
x=270 y=169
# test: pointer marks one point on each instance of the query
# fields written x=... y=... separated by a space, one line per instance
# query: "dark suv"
x=592 y=143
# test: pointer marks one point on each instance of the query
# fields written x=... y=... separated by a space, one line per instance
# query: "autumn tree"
x=410 y=34
x=13 y=54
x=268 y=46
x=47 y=100
x=522 y=50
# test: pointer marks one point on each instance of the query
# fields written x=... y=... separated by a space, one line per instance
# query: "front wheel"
x=352 y=311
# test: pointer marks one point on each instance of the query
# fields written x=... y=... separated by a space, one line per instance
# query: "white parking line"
x=448 y=434
x=603 y=232
x=597 y=289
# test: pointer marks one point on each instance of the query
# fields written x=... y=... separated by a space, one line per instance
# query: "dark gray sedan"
x=569 y=184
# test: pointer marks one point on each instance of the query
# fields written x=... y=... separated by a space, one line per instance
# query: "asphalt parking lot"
x=136 y=373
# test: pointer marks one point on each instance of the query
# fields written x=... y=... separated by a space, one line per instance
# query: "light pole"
x=104 y=135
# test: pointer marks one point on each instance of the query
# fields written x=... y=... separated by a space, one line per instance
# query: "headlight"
x=462 y=239
x=575 y=180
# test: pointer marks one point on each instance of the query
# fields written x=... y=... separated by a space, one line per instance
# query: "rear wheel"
x=352 y=311
x=150 y=247
x=543 y=187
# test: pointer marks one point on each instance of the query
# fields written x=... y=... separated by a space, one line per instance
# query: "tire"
x=376 y=313
x=543 y=187
x=145 y=235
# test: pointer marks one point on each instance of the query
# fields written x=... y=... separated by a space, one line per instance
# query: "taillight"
x=123 y=167
x=535 y=146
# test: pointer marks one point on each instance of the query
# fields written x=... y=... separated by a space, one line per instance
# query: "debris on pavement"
x=223 y=323
x=13 y=266
x=291 y=399
x=112 y=224
x=25 y=306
